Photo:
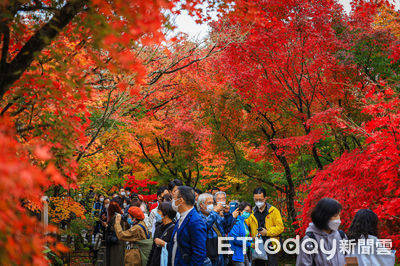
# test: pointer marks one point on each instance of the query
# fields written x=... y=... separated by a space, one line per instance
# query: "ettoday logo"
x=309 y=246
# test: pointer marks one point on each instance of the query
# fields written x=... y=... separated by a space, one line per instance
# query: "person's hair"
x=114 y=199
x=136 y=203
x=202 y=198
x=365 y=223
x=187 y=194
x=166 y=209
x=324 y=211
x=174 y=183
x=260 y=190
x=167 y=198
x=217 y=193
x=134 y=196
x=113 y=209
x=128 y=189
x=198 y=191
x=214 y=188
x=161 y=189
x=243 y=206
x=127 y=200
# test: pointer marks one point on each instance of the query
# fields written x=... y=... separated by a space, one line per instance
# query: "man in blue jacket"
x=188 y=242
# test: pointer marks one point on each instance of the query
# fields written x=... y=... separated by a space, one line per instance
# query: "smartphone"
x=233 y=205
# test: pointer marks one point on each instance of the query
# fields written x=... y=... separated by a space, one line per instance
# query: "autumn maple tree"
x=296 y=96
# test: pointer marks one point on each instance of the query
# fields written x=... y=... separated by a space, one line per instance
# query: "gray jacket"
x=334 y=256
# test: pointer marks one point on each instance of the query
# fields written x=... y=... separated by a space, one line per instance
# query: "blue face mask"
x=245 y=215
x=158 y=217
x=130 y=221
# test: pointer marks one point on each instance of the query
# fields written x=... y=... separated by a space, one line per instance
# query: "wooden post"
x=45 y=213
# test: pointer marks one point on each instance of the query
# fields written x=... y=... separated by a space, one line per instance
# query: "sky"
x=186 y=24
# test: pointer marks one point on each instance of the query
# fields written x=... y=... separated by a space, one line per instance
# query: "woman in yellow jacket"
x=272 y=227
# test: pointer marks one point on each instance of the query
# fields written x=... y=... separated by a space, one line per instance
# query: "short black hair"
x=161 y=189
x=187 y=194
x=167 y=198
x=324 y=211
x=198 y=191
x=166 y=209
x=243 y=205
x=136 y=203
x=365 y=223
x=214 y=188
x=174 y=183
x=260 y=190
x=128 y=189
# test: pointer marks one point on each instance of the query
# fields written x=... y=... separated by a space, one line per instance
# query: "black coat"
x=164 y=232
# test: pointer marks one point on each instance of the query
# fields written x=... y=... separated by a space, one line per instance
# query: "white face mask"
x=106 y=205
x=128 y=193
x=125 y=205
x=223 y=203
x=174 y=206
x=101 y=199
x=210 y=208
x=259 y=204
x=334 y=224
x=122 y=193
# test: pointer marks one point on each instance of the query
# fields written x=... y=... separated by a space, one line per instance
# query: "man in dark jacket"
x=188 y=242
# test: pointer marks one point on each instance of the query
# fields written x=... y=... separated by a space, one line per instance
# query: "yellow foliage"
x=388 y=18
x=63 y=208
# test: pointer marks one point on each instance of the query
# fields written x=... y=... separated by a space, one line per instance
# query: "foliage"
x=64 y=208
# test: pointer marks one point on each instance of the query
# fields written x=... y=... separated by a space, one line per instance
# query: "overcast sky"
x=186 y=24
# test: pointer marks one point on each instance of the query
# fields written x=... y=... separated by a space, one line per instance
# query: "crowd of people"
x=185 y=226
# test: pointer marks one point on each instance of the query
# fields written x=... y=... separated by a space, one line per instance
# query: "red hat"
x=136 y=212
x=141 y=197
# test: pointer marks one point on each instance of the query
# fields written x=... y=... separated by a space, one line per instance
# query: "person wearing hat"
x=137 y=232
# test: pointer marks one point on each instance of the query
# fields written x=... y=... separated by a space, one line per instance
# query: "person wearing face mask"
x=267 y=221
x=97 y=208
x=215 y=228
x=104 y=211
x=239 y=230
x=162 y=233
x=220 y=201
x=137 y=232
x=188 y=242
x=121 y=197
x=324 y=227
x=153 y=218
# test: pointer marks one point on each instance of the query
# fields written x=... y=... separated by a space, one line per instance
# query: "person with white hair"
x=215 y=226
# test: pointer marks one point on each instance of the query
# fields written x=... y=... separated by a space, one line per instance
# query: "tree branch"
x=38 y=42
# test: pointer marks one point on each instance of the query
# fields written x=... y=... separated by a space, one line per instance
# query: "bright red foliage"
x=367 y=178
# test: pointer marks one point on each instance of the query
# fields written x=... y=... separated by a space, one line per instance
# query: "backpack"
x=144 y=246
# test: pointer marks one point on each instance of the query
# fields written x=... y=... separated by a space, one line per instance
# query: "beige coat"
x=135 y=233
